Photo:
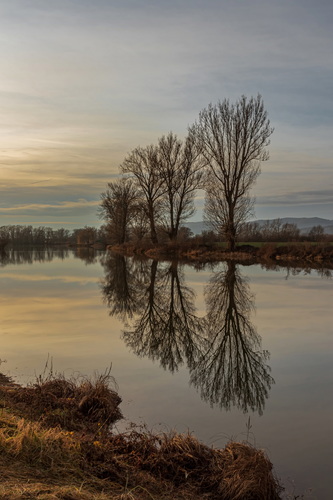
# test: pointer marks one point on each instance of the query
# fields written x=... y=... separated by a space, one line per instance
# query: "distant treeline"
x=276 y=230
x=19 y=235
x=271 y=231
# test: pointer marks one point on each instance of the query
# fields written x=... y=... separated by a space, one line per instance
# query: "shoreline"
x=286 y=255
x=57 y=442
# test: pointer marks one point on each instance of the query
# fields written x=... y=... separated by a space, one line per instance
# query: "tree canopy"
x=233 y=140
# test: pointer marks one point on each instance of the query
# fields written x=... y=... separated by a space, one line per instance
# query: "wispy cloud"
x=290 y=198
x=44 y=277
x=65 y=205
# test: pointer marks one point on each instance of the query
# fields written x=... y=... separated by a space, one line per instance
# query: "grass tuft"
x=77 y=404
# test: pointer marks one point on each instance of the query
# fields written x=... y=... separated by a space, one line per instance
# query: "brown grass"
x=237 y=472
x=248 y=253
x=44 y=455
x=74 y=404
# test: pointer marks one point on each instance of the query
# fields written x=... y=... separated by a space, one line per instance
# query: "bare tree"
x=86 y=235
x=233 y=138
x=118 y=208
x=317 y=233
x=180 y=167
x=142 y=164
x=217 y=211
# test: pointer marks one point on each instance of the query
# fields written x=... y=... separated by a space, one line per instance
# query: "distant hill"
x=303 y=223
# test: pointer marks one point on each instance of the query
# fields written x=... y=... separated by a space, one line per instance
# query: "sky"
x=83 y=83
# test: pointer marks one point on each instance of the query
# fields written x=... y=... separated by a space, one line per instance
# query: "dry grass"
x=74 y=404
x=41 y=491
x=42 y=458
x=238 y=472
x=248 y=252
x=298 y=252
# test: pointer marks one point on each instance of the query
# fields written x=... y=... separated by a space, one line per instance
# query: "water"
x=230 y=352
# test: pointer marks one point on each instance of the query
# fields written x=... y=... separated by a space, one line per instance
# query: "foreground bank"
x=57 y=442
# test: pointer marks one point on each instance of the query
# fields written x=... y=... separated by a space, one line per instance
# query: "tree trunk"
x=153 y=233
x=231 y=231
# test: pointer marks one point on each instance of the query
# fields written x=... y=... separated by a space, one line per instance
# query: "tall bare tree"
x=180 y=167
x=142 y=163
x=233 y=138
x=118 y=208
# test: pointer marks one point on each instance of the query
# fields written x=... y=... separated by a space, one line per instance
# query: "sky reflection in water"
x=185 y=346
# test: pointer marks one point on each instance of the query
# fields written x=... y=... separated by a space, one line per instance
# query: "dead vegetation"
x=301 y=252
x=297 y=252
x=73 y=404
x=56 y=442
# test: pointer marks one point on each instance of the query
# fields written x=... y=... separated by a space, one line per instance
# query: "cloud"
x=319 y=197
x=43 y=277
x=46 y=207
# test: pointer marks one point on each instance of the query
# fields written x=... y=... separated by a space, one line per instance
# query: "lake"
x=224 y=351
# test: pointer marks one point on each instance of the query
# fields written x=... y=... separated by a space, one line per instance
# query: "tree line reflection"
x=222 y=349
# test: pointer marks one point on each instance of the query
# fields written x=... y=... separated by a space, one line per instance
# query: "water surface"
x=229 y=352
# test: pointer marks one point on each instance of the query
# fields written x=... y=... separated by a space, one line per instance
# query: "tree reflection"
x=87 y=254
x=221 y=350
x=167 y=327
x=233 y=370
x=122 y=285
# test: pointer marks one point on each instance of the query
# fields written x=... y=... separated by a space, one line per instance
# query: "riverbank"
x=57 y=442
x=261 y=253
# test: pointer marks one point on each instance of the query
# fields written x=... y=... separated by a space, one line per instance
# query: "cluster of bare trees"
x=19 y=235
x=157 y=193
x=275 y=230
x=221 y=154
x=271 y=230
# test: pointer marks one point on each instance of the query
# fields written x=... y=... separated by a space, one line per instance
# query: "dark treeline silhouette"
x=20 y=235
x=221 y=349
x=272 y=230
x=275 y=230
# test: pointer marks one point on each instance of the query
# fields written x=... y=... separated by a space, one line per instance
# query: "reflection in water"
x=123 y=285
x=301 y=267
x=30 y=255
x=222 y=350
x=87 y=254
x=166 y=328
x=233 y=370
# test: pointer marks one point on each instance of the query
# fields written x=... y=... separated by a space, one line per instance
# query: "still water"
x=226 y=352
